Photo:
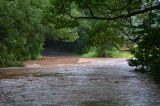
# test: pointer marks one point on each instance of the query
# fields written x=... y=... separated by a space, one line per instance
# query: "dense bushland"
x=21 y=30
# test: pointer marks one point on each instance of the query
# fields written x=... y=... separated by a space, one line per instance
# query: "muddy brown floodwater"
x=73 y=81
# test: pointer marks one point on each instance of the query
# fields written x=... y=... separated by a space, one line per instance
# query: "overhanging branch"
x=156 y=7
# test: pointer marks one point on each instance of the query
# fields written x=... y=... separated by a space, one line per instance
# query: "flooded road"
x=77 y=82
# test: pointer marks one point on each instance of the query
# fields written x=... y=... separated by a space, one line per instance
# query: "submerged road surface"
x=73 y=81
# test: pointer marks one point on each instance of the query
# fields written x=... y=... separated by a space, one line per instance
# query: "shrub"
x=147 y=53
x=92 y=52
x=21 y=30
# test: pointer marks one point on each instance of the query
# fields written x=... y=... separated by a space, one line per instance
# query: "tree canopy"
x=109 y=9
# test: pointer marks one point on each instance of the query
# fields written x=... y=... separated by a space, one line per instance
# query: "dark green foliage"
x=82 y=43
x=59 y=27
x=21 y=31
x=147 y=53
x=7 y=59
x=155 y=70
x=104 y=37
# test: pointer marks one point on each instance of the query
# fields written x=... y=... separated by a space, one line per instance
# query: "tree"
x=147 y=53
x=104 y=37
x=21 y=30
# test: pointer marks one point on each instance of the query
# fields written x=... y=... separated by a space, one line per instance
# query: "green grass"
x=91 y=53
x=122 y=54
x=114 y=54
